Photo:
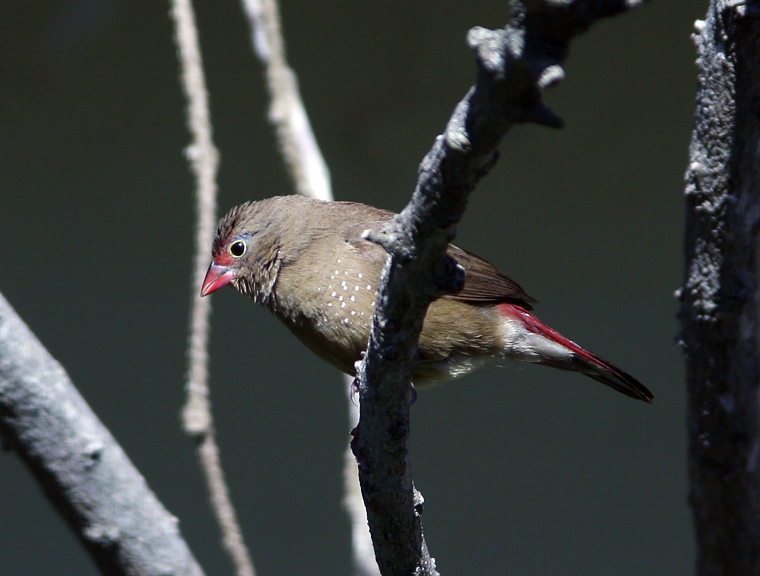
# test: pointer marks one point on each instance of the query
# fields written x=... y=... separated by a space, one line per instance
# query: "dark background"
x=524 y=470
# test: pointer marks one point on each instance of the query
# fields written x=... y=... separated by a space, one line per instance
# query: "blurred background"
x=524 y=470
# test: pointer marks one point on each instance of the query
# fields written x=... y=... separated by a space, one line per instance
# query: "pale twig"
x=294 y=134
x=204 y=160
x=311 y=177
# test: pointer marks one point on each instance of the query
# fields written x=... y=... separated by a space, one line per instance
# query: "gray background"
x=524 y=470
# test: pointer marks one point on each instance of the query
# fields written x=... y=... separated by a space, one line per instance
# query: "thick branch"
x=515 y=64
x=79 y=465
x=719 y=314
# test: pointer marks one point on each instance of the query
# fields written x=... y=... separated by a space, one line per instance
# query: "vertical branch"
x=719 y=310
x=364 y=563
x=204 y=161
x=311 y=177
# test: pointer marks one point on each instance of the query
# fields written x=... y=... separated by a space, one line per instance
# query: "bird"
x=309 y=263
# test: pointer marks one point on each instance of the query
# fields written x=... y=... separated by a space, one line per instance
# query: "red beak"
x=216 y=277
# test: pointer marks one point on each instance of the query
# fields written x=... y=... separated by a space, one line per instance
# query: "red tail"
x=586 y=362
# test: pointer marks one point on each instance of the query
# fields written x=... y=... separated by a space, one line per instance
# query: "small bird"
x=307 y=261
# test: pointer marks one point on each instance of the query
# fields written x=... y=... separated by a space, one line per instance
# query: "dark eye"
x=237 y=248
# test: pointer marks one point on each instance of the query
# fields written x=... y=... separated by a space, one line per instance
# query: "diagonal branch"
x=83 y=471
x=514 y=65
x=287 y=113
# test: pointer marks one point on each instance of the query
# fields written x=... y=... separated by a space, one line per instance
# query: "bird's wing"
x=354 y=235
x=484 y=282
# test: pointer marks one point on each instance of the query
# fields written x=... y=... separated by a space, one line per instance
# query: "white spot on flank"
x=337 y=261
x=319 y=289
x=332 y=278
x=356 y=288
x=369 y=287
x=346 y=321
x=361 y=276
x=340 y=298
x=329 y=304
x=353 y=312
x=342 y=304
x=353 y=298
x=337 y=271
x=334 y=294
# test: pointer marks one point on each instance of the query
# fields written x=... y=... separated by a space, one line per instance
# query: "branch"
x=719 y=315
x=514 y=65
x=298 y=145
x=204 y=160
x=83 y=471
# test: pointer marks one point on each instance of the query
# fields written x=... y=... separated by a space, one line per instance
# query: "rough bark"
x=719 y=313
x=514 y=65
x=82 y=470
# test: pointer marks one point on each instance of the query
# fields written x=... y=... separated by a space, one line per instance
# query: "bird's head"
x=245 y=253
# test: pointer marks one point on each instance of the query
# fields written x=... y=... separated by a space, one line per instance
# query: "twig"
x=515 y=65
x=294 y=134
x=204 y=160
x=83 y=471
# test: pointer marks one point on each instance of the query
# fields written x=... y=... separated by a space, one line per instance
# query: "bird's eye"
x=237 y=249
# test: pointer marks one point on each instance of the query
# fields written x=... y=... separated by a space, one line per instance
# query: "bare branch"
x=83 y=471
x=515 y=64
x=363 y=553
x=204 y=160
x=297 y=143
x=719 y=311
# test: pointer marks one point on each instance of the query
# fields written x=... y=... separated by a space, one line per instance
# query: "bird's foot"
x=353 y=392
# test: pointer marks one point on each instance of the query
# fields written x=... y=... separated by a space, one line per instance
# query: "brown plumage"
x=307 y=262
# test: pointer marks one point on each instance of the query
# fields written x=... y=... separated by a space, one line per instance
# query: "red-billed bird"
x=307 y=262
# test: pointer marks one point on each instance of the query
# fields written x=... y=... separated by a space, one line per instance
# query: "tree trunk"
x=719 y=297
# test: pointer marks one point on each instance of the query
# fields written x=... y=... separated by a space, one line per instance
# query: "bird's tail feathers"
x=580 y=360
x=602 y=371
